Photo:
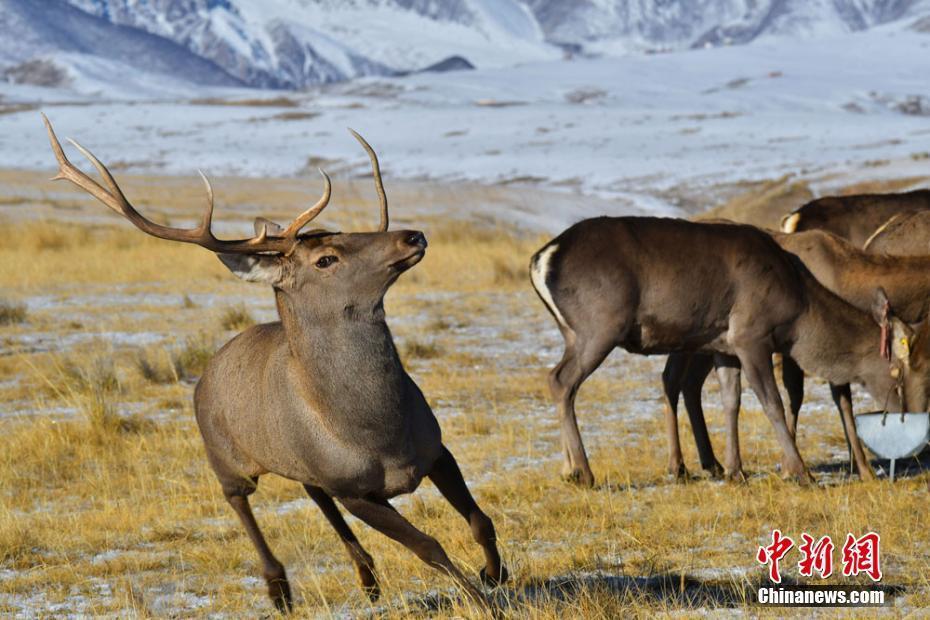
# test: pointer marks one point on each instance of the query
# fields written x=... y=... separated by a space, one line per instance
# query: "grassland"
x=108 y=505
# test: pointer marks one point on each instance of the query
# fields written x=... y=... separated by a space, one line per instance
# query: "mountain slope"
x=614 y=25
x=294 y=43
x=66 y=41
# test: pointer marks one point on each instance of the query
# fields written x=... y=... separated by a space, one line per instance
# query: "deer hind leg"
x=692 y=385
x=447 y=477
x=582 y=357
x=757 y=364
x=731 y=392
x=379 y=514
x=793 y=378
x=363 y=562
x=278 y=588
x=842 y=396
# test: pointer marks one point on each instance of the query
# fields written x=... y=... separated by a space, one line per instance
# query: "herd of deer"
x=321 y=396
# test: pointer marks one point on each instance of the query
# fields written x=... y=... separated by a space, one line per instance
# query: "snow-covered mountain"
x=616 y=25
x=295 y=43
x=45 y=43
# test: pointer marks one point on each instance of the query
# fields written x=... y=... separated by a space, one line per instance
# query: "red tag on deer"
x=885 y=345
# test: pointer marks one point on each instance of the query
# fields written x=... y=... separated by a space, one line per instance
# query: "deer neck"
x=838 y=342
x=345 y=361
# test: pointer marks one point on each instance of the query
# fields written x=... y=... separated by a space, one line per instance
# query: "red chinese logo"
x=817 y=557
x=773 y=553
x=860 y=555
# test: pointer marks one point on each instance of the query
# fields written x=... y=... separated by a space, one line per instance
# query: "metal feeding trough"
x=893 y=436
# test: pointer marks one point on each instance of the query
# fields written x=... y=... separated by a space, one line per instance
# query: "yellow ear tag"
x=904 y=344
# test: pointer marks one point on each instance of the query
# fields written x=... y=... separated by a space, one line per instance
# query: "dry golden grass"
x=109 y=506
x=763 y=204
x=882 y=186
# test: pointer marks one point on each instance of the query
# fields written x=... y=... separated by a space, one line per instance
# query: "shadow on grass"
x=904 y=468
x=663 y=590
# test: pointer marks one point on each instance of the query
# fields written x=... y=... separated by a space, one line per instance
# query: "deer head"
x=907 y=350
x=334 y=271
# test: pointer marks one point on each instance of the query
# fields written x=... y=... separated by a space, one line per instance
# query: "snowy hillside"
x=634 y=129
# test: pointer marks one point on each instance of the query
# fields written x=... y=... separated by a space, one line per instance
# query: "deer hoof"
x=866 y=473
x=802 y=478
x=581 y=478
x=738 y=476
x=715 y=470
x=280 y=592
x=369 y=584
x=493 y=581
x=373 y=592
x=678 y=472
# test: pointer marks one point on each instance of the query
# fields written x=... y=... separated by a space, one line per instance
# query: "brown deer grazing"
x=869 y=211
x=653 y=285
x=852 y=274
x=905 y=234
x=319 y=397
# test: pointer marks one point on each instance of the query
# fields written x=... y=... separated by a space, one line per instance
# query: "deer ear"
x=273 y=229
x=881 y=307
x=254 y=267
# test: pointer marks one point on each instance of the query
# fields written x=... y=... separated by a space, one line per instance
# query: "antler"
x=202 y=235
x=376 y=171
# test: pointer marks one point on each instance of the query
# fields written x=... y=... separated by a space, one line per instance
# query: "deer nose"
x=416 y=238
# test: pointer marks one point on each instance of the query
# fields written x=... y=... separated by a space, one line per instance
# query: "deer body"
x=854 y=217
x=650 y=285
x=347 y=418
x=321 y=396
x=853 y=275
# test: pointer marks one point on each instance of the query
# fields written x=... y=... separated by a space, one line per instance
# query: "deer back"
x=906 y=234
x=854 y=217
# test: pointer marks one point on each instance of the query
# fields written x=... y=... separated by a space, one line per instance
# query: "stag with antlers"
x=321 y=396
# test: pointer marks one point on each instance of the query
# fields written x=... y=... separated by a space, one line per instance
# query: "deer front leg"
x=379 y=514
x=842 y=396
x=363 y=562
x=728 y=374
x=278 y=588
x=447 y=477
x=757 y=364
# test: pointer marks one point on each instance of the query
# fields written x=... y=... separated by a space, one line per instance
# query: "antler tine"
x=202 y=235
x=304 y=218
x=69 y=172
x=376 y=172
x=116 y=194
x=206 y=220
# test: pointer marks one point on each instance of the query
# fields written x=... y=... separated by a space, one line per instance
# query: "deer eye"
x=326 y=261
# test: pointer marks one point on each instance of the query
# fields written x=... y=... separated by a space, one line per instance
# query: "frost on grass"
x=12 y=313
